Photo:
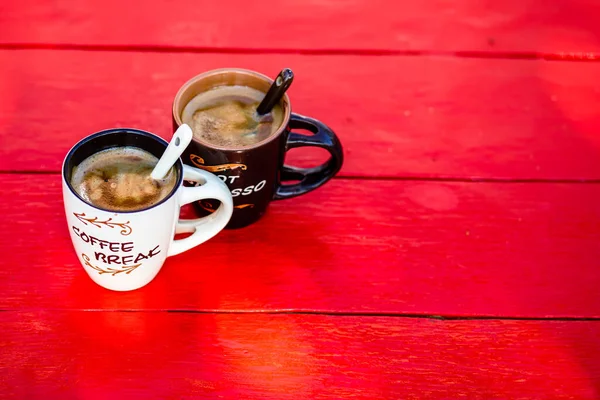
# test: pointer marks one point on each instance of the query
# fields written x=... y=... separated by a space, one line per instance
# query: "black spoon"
x=276 y=91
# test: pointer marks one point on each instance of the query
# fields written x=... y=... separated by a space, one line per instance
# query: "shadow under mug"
x=257 y=174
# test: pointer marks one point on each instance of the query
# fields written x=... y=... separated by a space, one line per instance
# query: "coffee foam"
x=226 y=117
x=118 y=179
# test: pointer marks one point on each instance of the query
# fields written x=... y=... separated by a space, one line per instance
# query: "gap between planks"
x=512 y=55
x=331 y=313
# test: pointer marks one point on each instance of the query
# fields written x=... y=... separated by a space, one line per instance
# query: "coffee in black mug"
x=248 y=153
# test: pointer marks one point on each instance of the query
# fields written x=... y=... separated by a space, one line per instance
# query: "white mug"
x=126 y=250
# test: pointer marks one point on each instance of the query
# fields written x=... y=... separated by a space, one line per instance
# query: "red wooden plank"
x=96 y=355
x=434 y=25
x=397 y=116
x=352 y=246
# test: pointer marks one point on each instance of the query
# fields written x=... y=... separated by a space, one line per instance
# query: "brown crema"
x=118 y=179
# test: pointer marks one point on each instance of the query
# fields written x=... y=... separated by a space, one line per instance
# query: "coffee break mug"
x=255 y=174
x=125 y=250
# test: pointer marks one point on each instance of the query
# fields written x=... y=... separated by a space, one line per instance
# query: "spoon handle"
x=180 y=140
x=276 y=91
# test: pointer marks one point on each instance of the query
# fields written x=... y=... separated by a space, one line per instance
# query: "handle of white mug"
x=204 y=228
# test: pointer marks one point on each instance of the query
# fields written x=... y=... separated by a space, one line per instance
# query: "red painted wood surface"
x=525 y=26
x=96 y=355
x=396 y=116
x=526 y=250
x=313 y=301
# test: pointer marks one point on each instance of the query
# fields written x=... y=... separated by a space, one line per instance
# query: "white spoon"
x=181 y=139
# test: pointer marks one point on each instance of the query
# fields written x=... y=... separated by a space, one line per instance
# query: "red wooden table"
x=457 y=254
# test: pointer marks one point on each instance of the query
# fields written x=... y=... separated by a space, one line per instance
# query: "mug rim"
x=241 y=71
x=111 y=131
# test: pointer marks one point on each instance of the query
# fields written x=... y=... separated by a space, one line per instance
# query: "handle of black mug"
x=310 y=178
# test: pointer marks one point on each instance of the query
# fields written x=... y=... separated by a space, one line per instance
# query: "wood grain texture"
x=365 y=246
x=432 y=25
x=95 y=355
x=351 y=246
x=396 y=116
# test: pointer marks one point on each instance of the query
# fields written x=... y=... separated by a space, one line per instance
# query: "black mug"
x=256 y=174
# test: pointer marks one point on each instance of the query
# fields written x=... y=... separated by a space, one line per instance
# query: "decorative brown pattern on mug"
x=112 y=271
x=207 y=206
x=125 y=228
x=199 y=162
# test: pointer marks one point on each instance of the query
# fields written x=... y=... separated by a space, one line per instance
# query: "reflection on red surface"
x=576 y=99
